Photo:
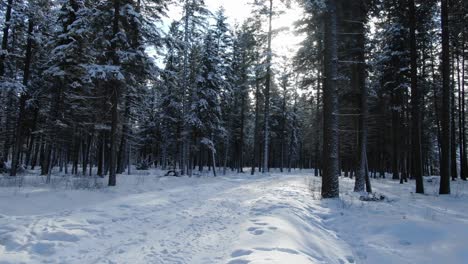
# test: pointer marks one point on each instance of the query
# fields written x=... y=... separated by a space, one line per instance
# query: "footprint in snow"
x=238 y=261
x=241 y=252
x=255 y=231
x=43 y=248
x=404 y=242
x=60 y=236
x=94 y=221
x=284 y=250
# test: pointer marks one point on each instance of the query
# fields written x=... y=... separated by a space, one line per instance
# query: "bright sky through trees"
x=284 y=43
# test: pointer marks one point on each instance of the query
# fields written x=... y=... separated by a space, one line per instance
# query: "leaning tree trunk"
x=330 y=180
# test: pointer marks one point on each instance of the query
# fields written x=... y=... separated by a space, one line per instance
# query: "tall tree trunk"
x=460 y=118
x=395 y=136
x=266 y=131
x=445 y=166
x=330 y=180
x=22 y=105
x=416 y=151
x=317 y=127
x=256 y=142
x=185 y=148
x=463 y=162
x=114 y=101
x=283 y=128
x=123 y=138
x=33 y=137
x=241 y=140
x=6 y=31
x=453 y=131
x=362 y=175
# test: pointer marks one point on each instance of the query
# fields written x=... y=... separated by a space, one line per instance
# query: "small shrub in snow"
x=144 y=165
x=314 y=187
x=372 y=197
x=172 y=173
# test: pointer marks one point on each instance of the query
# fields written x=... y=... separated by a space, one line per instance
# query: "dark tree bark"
x=22 y=102
x=330 y=180
x=453 y=123
x=445 y=166
x=464 y=163
x=416 y=151
x=395 y=135
x=256 y=142
x=460 y=118
x=317 y=126
x=6 y=31
x=283 y=127
x=114 y=101
x=266 y=118
x=362 y=174
x=242 y=128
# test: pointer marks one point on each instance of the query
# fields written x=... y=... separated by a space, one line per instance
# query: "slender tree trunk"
x=395 y=137
x=22 y=105
x=256 y=142
x=123 y=138
x=453 y=129
x=362 y=173
x=283 y=128
x=460 y=118
x=416 y=151
x=241 y=140
x=114 y=101
x=463 y=162
x=445 y=166
x=318 y=124
x=266 y=119
x=33 y=137
x=213 y=158
x=6 y=31
x=185 y=148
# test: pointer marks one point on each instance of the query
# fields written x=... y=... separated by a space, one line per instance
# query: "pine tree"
x=445 y=166
x=330 y=180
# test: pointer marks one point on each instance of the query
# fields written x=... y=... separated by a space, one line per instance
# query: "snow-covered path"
x=171 y=220
x=237 y=219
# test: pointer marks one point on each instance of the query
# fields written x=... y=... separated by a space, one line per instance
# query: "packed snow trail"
x=236 y=219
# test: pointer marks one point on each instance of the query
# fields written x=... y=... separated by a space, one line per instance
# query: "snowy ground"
x=236 y=219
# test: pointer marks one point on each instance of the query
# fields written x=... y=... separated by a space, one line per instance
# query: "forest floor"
x=235 y=219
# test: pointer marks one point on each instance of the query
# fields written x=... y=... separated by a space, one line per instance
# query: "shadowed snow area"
x=233 y=219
